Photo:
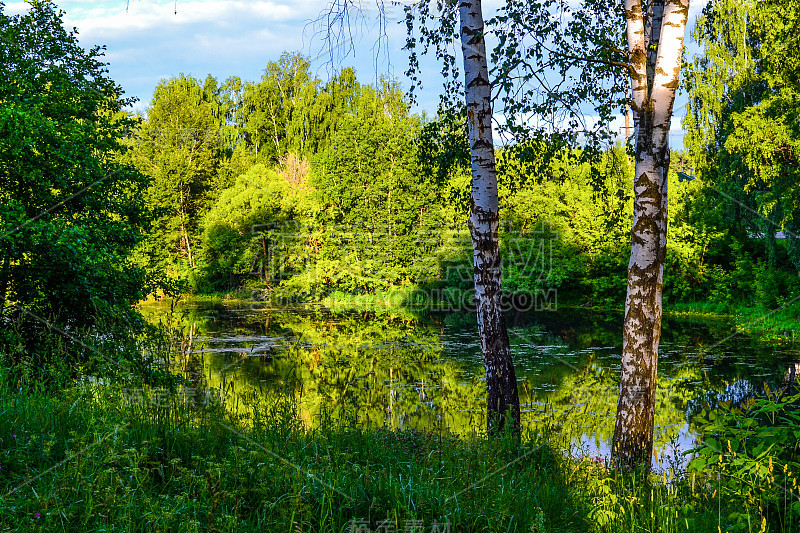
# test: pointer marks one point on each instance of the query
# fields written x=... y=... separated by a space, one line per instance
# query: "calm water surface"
x=403 y=369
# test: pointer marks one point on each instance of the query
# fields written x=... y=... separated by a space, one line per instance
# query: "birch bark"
x=655 y=48
x=501 y=381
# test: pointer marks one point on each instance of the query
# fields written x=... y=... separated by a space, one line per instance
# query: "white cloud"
x=106 y=21
x=147 y=40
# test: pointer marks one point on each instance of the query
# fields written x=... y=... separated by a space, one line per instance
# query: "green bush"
x=749 y=458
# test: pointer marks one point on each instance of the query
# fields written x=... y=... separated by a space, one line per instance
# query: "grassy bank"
x=102 y=457
x=779 y=325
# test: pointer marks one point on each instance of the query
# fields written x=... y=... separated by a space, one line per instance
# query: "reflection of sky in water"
x=567 y=365
x=668 y=456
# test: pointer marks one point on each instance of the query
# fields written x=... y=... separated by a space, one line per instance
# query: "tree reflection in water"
x=395 y=368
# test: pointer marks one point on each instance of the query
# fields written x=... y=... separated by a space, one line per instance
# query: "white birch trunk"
x=501 y=381
x=655 y=46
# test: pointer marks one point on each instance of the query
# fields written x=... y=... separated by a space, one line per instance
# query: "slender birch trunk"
x=655 y=47
x=501 y=381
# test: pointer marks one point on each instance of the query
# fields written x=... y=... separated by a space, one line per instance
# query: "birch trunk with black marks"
x=655 y=47
x=501 y=380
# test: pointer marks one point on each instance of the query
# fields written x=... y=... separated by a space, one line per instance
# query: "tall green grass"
x=91 y=459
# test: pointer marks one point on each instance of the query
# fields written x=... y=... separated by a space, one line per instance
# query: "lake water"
x=399 y=368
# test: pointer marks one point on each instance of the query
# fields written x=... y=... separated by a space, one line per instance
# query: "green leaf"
x=713 y=444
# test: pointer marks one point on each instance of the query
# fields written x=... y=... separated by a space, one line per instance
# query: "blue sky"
x=149 y=40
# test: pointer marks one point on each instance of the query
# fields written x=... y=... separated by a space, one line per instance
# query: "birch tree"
x=501 y=383
x=484 y=218
x=655 y=45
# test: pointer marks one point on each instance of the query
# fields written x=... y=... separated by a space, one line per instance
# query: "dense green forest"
x=294 y=189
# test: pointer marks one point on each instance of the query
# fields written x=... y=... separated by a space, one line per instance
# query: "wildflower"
x=38 y=515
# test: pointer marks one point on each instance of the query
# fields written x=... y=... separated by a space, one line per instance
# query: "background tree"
x=279 y=109
x=179 y=147
x=742 y=134
x=372 y=205
x=230 y=248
